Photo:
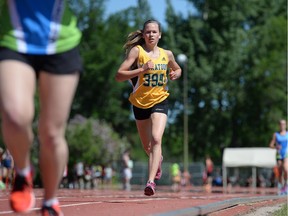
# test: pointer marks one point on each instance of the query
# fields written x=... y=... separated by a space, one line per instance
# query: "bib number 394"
x=154 y=80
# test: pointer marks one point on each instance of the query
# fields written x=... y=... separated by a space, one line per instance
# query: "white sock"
x=24 y=172
x=50 y=202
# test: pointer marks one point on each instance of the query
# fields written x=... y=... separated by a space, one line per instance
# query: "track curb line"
x=216 y=206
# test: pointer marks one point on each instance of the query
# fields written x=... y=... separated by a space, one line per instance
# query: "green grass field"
x=281 y=212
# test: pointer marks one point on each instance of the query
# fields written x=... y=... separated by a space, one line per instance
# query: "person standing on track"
x=8 y=168
x=38 y=45
x=146 y=66
x=209 y=168
x=176 y=177
x=2 y=185
x=127 y=170
x=279 y=141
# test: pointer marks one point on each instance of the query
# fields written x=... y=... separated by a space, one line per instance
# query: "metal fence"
x=196 y=169
x=140 y=173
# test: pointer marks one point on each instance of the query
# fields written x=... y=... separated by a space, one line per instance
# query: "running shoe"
x=22 y=198
x=284 y=190
x=279 y=187
x=53 y=210
x=150 y=188
x=159 y=171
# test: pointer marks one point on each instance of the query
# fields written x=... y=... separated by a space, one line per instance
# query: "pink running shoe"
x=159 y=171
x=150 y=188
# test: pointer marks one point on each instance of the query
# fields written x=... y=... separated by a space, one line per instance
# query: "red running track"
x=189 y=201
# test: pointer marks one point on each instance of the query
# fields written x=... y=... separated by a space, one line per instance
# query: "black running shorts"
x=61 y=63
x=142 y=114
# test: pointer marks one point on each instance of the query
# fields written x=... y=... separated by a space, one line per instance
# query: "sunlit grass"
x=281 y=212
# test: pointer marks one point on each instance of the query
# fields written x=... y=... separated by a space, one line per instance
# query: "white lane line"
x=91 y=203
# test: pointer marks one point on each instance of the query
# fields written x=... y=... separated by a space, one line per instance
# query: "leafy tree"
x=93 y=142
x=102 y=51
x=233 y=56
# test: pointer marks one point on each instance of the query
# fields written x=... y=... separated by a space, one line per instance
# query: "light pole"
x=182 y=59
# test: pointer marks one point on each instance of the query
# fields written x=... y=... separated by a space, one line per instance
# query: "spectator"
x=97 y=175
x=79 y=171
x=279 y=141
x=209 y=167
x=87 y=177
x=8 y=168
x=2 y=185
x=127 y=170
x=108 y=174
x=186 y=178
x=176 y=177
x=217 y=179
x=64 y=181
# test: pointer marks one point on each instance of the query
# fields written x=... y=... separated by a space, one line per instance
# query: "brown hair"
x=136 y=38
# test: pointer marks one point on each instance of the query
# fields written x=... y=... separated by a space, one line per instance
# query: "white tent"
x=248 y=157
